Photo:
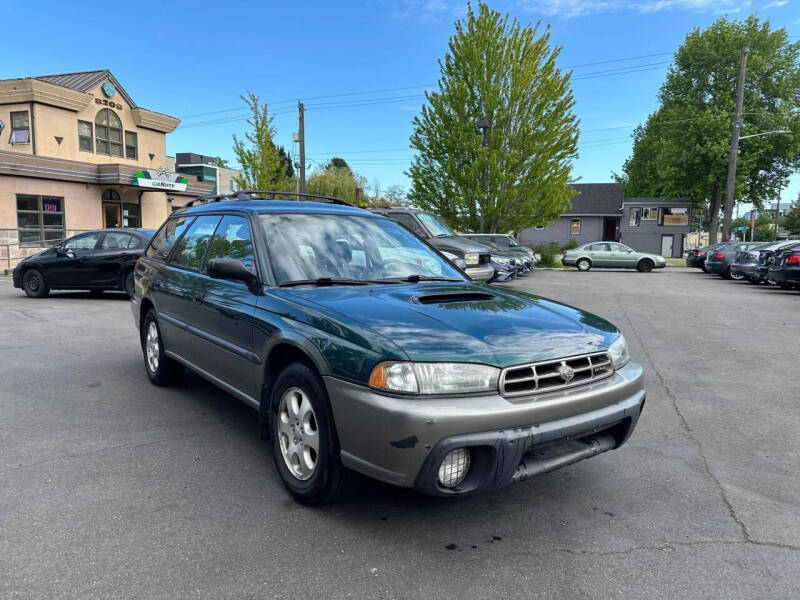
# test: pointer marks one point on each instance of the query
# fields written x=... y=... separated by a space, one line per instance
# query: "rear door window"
x=118 y=241
x=191 y=250
x=166 y=237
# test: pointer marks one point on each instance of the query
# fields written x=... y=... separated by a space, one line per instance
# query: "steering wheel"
x=397 y=266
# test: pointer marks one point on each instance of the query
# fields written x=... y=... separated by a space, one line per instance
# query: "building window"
x=674 y=217
x=85 y=136
x=20 y=127
x=131 y=145
x=575 y=227
x=633 y=217
x=40 y=218
x=650 y=214
x=108 y=133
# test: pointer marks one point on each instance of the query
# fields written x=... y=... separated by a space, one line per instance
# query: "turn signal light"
x=793 y=260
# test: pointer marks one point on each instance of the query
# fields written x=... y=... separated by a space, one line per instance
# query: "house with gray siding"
x=594 y=215
x=656 y=226
x=600 y=212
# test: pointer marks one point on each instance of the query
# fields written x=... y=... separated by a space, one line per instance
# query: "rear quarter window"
x=165 y=239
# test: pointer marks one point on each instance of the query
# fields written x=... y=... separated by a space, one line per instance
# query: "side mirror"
x=68 y=252
x=231 y=269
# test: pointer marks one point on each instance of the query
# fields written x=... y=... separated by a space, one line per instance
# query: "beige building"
x=77 y=153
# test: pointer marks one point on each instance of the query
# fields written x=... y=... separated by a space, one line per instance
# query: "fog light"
x=454 y=467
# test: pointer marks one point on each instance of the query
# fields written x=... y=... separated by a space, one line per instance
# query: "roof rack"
x=255 y=195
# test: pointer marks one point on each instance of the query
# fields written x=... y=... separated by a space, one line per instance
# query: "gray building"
x=203 y=167
x=656 y=226
x=594 y=216
x=599 y=212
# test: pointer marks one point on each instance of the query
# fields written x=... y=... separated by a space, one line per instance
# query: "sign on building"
x=162 y=179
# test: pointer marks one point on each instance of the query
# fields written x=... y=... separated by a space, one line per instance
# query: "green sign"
x=742 y=228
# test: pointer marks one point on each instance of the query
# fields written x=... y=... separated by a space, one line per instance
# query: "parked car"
x=696 y=257
x=505 y=266
x=524 y=261
x=611 y=255
x=720 y=260
x=430 y=228
x=785 y=270
x=363 y=349
x=96 y=261
x=746 y=263
x=767 y=256
x=501 y=241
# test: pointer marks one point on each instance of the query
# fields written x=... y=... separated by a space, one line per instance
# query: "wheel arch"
x=643 y=259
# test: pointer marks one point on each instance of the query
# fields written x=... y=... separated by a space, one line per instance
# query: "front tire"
x=304 y=441
x=34 y=284
x=583 y=264
x=735 y=276
x=645 y=266
x=161 y=369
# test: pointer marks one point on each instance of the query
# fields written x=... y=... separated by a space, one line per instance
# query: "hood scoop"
x=455 y=297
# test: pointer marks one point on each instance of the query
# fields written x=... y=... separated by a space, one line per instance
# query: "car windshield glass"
x=435 y=226
x=309 y=247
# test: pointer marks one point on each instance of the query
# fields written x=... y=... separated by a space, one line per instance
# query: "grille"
x=484 y=259
x=546 y=376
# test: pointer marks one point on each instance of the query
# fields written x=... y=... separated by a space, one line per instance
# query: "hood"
x=458 y=245
x=463 y=322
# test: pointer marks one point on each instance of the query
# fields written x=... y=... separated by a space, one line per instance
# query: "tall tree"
x=338 y=163
x=339 y=182
x=505 y=73
x=791 y=220
x=263 y=165
x=682 y=149
x=220 y=162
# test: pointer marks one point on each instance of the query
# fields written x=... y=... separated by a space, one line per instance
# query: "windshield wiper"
x=418 y=278
x=323 y=281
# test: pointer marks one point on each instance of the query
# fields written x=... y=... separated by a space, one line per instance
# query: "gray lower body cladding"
x=402 y=440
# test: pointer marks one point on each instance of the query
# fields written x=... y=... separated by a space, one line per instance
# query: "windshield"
x=434 y=225
x=310 y=247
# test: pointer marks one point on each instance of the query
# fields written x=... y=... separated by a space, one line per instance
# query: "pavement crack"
x=669 y=546
x=686 y=426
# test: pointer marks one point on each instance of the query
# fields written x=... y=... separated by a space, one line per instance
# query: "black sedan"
x=720 y=260
x=785 y=271
x=754 y=264
x=696 y=257
x=95 y=261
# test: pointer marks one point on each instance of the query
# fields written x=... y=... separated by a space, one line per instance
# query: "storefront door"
x=111 y=215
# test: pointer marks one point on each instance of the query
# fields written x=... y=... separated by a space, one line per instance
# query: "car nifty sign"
x=162 y=179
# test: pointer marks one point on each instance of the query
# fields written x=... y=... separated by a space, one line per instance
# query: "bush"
x=571 y=244
x=548 y=253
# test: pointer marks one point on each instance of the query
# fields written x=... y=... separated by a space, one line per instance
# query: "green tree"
x=682 y=148
x=220 y=162
x=263 y=165
x=791 y=220
x=764 y=228
x=503 y=72
x=338 y=163
x=338 y=182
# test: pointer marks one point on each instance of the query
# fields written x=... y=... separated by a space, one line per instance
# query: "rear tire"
x=304 y=441
x=161 y=369
x=735 y=276
x=645 y=266
x=583 y=264
x=34 y=284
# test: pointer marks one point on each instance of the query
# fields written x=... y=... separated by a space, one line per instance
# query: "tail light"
x=564 y=254
x=718 y=255
x=792 y=260
x=700 y=254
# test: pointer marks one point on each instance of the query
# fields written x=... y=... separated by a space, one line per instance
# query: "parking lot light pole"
x=483 y=125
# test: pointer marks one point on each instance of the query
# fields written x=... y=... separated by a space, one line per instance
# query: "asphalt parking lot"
x=113 y=488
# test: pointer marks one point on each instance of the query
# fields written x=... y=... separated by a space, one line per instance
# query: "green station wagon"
x=364 y=349
x=611 y=255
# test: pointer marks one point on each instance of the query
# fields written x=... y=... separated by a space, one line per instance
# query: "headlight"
x=471 y=258
x=619 y=352
x=434 y=378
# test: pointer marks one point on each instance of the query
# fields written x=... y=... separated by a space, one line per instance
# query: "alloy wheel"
x=298 y=433
x=152 y=347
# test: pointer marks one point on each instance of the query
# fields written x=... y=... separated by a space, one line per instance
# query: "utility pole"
x=730 y=188
x=301 y=134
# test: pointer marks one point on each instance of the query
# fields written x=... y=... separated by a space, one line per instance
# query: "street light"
x=752 y=135
x=483 y=125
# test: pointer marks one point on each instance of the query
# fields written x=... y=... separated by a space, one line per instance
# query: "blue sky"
x=186 y=59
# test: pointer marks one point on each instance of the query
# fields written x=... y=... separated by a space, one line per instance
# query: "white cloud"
x=579 y=8
x=776 y=4
x=427 y=11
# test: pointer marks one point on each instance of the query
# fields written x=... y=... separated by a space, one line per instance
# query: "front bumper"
x=402 y=440
x=481 y=272
x=15 y=277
